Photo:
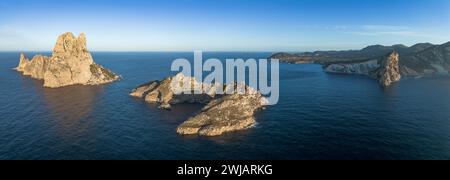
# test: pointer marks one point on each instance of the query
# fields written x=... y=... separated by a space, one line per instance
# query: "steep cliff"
x=389 y=71
x=385 y=69
x=70 y=64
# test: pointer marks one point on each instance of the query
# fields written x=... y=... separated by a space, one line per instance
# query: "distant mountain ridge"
x=417 y=60
x=434 y=60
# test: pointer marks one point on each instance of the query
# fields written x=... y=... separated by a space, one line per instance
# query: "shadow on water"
x=70 y=107
x=176 y=115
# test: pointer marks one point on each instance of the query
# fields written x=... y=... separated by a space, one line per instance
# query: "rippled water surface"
x=319 y=116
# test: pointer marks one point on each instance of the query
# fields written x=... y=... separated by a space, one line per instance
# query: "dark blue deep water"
x=319 y=116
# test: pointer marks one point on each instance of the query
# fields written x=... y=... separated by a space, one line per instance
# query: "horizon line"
x=243 y=51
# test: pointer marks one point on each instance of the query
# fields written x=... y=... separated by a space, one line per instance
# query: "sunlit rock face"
x=162 y=93
x=225 y=114
x=389 y=71
x=386 y=69
x=222 y=113
x=70 y=64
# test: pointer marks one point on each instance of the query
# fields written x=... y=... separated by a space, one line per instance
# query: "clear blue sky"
x=224 y=25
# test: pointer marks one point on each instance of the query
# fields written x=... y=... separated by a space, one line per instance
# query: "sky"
x=223 y=25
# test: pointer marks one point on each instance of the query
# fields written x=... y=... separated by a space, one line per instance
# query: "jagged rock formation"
x=369 y=52
x=222 y=113
x=389 y=71
x=225 y=114
x=70 y=64
x=386 y=70
x=162 y=93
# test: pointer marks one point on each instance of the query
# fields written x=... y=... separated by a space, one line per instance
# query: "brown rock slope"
x=389 y=71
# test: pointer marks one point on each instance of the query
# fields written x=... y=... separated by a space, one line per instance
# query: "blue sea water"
x=319 y=116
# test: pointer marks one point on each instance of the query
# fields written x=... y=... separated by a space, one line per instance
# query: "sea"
x=318 y=116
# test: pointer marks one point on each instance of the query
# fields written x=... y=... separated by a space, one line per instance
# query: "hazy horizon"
x=226 y=26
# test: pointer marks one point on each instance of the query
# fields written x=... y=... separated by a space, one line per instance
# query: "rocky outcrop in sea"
x=222 y=113
x=386 y=69
x=70 y=64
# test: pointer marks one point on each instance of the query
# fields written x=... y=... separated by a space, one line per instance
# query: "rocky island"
x=222 y=113
x=70 y=64
x=387 y=64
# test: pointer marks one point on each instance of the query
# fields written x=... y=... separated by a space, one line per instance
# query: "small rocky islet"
x=222 y=112
x=70 y=64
